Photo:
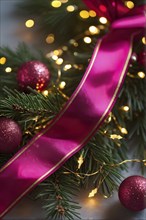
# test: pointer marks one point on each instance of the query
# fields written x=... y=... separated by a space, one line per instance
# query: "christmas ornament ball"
x=10 y=135
x=132 y=193
x=34 y=74
x=142 y=58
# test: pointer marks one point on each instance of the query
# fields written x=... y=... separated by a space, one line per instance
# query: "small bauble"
x=132 y=193
x=10 y=135
x=33 y=74
x=142 y=58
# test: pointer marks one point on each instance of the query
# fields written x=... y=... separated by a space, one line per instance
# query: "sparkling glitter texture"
x=132 y=193
x=10 y=135
x=33 y=74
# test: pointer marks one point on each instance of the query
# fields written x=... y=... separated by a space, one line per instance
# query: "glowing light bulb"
x=103 y=20
x=3 y=60
x=59 y=61
x=87 y=40
x=125 y=108
x=70 y=8
x=57 y=52
x=45 y=93
x=115 y=136
x=92 y=13
x=84 y=14
x=94 y=30
x=8 y=70
x=92 y=193
x=55 y=57
x=29 y=23
x=62 y=85
x=144 y=40
x=129 y=4
x=123 y=130
x=141 y=75
x=67 y=67
x=56 y=4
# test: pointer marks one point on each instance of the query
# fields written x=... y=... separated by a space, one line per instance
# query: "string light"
x=125 y=108
x=144 y=40
x=115 y=136
x=92 y=193
x=141 y=75
x=50 y=39
x=59 y=61
x=123 y=130
x=55 y=57
x=56 y=3
x=129 y=4
x=57 y=52
x=67 y=67
x=8 y=70
x=94 y=30
x=29 y=23
x=80 y=161
x=70 y=8
x=103 y=20
x=45 y=93
x=92 y=13
x=3 y=60
x=84 y=14
x=87 y=40
x=62 y=85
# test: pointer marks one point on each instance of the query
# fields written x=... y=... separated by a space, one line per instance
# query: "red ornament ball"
x=142 y=58
x=10 y=135
x=33 y=74
x=132 y=193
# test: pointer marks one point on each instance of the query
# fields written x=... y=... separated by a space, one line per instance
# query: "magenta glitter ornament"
x=10 y=135
x=132 y=193
x=33 y=74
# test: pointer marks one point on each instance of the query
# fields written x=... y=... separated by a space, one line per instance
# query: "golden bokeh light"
x=29 y=23
x=70 y=8
x=59 y=61
x=87 y=40
x=62 y=85
x=129 y=4
x=84 y=14
x=94 y=30
x=8 y=70
x=45 y=93
x=92 y=13
x=125 y=108
x=3 y=60
x=67 y=67
x=50 y=39
x=103 y=20
x=144 y=40
x=56 y=4
x=141 y=74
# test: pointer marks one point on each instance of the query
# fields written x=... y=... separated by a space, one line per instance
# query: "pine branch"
x=58 y=194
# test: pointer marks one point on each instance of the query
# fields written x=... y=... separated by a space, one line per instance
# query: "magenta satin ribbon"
x=82 y=115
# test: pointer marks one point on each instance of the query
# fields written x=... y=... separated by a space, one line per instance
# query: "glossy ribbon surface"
x=81 y=117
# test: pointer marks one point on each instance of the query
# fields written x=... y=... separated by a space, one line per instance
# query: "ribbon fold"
x=84 y=112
